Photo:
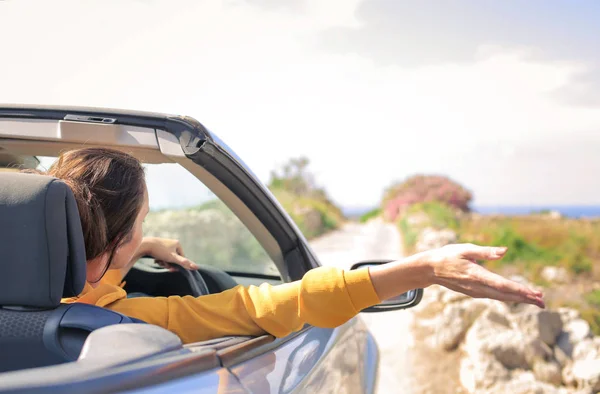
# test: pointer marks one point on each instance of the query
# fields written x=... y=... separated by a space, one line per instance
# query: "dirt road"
x=392 y=330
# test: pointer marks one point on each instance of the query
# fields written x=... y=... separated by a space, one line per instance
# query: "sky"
x=501 y=96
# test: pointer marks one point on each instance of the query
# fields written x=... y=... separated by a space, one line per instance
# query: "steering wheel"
x=196 y=281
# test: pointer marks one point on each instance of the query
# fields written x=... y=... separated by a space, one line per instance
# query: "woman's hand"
x=166 y=251
x=454 y=267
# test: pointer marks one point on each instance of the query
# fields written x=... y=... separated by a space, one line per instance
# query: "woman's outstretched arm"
x=454 y=267
x=325 y=297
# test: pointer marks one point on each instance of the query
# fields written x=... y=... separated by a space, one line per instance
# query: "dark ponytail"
x=109 y=188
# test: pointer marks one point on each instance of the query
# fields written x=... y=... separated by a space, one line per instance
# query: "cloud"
x=261 y=79
x=413 y=34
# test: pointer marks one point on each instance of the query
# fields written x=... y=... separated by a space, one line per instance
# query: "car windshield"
x=183 y=208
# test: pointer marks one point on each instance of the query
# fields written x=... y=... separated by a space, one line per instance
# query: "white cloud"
x=255 y=76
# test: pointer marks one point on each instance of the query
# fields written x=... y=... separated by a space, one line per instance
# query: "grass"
x=313 y=217
x=440 y=215
x=435 y=214
x=212 y=234
x=410 y=234
x=534 y=242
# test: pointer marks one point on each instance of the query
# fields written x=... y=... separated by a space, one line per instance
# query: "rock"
x=482 y=373
x=544 y=324
x=555 y=274
x=549 y=372
x=568 y=314
x=432 y=298
x=567 y=375
x=586 y=374
x=520 y=279
x=524 y=383
x=417 y=219
x=516 y=351
x=508 y=348
x=585 y=370
x=537 y=350
x=588 y=349
x=494 y=347
x=436 y=292
x=480 y=369
x=486 y=327
x=554 y=215
x=451 y=296
x=456 y=320
x=431 y=238
x=573 y=332
x=561 y=357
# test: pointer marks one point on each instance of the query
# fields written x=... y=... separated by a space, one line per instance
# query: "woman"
x=112 y=198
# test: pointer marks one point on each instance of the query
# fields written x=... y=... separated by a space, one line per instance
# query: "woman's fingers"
x=179 y=249
x=455 y=267
x=477 y=252
x=500 y=288
x=184 y=262
x=166 y=265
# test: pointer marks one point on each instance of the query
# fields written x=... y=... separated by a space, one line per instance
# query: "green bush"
x=439 y=214
x=410 y=235
x=424 y=188
x=313 y=217
x=518 y=248
x=306 y=203
x=593 y=298
x=592 y=316
x=538 y=241
x=211 y=235
x=373 y=213
x=573 y=253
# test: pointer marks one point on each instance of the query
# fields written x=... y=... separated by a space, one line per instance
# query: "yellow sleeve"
x=326 y=297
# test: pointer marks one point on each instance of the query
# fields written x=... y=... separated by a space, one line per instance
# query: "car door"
x=314 y=360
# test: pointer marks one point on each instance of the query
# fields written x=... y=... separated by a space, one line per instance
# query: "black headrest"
x=42 y=253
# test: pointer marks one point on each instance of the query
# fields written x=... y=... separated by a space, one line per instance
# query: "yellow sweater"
x=325 y=297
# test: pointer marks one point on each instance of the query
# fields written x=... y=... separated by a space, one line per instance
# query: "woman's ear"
x=96 y=268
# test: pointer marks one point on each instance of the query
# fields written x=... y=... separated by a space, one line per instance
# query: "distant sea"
x=573 y=211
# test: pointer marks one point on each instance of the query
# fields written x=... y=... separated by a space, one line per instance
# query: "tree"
x=295 y=178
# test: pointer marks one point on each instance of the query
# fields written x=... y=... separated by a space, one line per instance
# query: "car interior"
x=43 y=259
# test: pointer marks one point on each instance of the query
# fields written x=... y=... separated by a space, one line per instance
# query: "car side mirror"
x=406 y=300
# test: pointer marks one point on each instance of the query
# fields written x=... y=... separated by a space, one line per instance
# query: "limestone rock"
x=549 y=372
x=456 y=320
x=586 y=374
x=555 y=274
x=431 y=238
x=540 y=323
x=524 y=383
x=573 y=332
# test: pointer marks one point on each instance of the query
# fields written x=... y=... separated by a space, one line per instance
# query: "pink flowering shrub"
x=424 y=188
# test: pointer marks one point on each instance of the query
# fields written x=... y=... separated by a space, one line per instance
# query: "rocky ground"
x=454 y=344
x=495 y=347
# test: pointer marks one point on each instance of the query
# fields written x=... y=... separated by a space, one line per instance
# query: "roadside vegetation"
x=307 y=203
x=373 y=213
x=213 y=234
x=535 y=241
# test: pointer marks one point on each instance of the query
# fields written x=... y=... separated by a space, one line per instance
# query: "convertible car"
x=228 y=222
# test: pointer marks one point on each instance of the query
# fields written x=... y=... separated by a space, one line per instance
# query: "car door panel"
x=218 y=381
x=314 y=360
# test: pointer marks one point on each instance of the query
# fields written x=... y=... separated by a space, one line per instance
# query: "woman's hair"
x=109 y=188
